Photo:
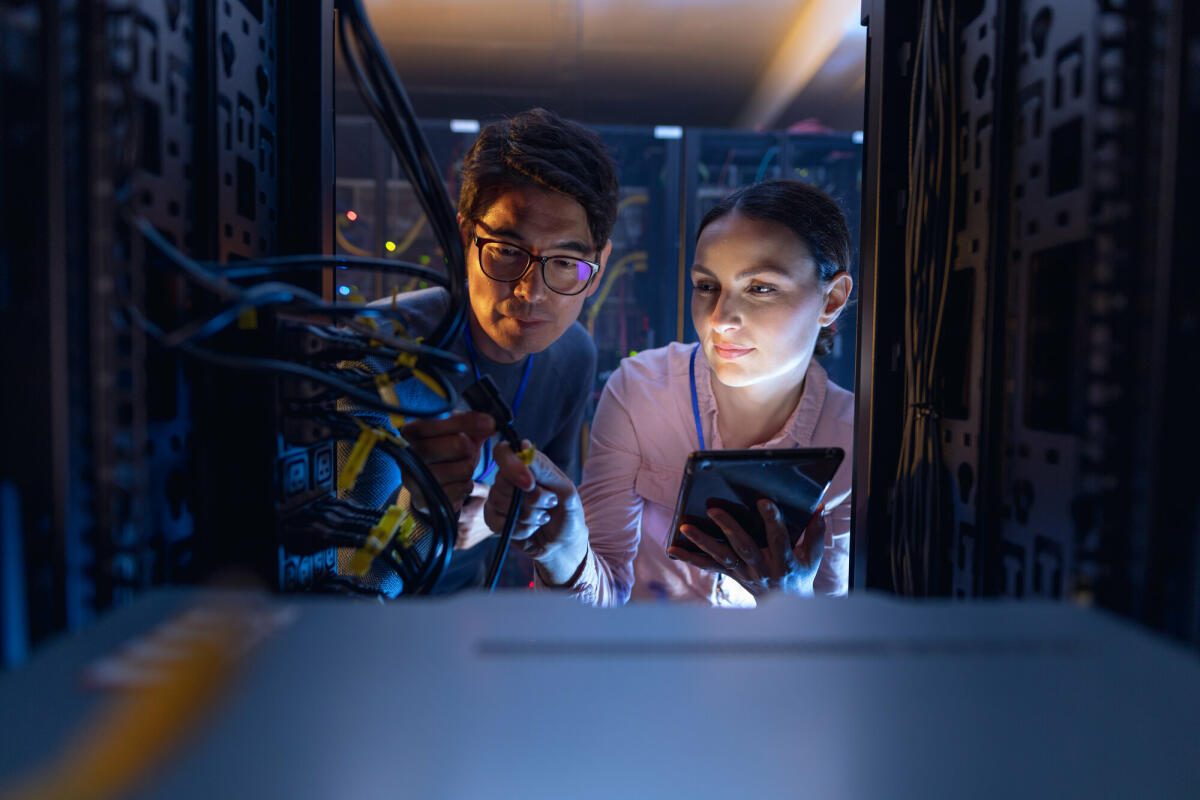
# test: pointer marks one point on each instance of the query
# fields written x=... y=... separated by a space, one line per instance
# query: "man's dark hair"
x=807 y=212
x=540 y=148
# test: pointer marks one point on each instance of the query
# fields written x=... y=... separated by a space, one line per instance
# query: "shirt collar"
x=796 y=432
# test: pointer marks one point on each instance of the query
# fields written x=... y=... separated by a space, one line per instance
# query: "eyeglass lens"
x=507 y=263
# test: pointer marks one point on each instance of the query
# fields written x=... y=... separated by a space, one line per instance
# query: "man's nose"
x=531 y=288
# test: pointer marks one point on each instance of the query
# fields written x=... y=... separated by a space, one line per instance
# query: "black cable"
x=260 y=364
x=340 y=584
x=389 y=105
x=485 y=397
x=442 y=522
x=303 y=263
x=438 y=513
x=510 y=523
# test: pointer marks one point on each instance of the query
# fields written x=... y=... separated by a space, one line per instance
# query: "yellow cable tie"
x=394 y=438
x=387 y=393
x=410 y=360
x=430 y=382
x=378 y=539
x=527 y=455
x=406 y=531
x=369 y=322
x=357 y=460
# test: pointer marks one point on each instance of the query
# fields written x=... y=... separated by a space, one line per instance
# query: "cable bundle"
x=325 y=344
x=917 y=513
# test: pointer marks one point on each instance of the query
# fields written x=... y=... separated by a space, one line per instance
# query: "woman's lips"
x=731 y=351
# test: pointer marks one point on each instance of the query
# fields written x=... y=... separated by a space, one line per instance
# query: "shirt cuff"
x=581 y=584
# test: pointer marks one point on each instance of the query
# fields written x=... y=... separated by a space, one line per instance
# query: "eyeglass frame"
x=481 y=241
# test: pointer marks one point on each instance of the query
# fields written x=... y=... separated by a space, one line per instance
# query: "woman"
x=769 y=279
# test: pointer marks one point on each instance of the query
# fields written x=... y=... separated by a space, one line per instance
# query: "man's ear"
x=837 y=294
x=463 y=230
x=598 y=278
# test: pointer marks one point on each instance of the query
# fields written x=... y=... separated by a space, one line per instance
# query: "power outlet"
x=322 y=468
x=295 y=476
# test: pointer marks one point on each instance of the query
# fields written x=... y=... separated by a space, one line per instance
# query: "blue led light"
x=343 y=290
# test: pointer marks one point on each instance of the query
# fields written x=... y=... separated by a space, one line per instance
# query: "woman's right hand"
x=779 y=566
x=550 y=528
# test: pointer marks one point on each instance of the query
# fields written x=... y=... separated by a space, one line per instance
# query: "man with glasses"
x=537 y=204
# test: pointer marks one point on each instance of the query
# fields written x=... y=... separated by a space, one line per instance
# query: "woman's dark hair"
x=807 y=212
x=540 y=148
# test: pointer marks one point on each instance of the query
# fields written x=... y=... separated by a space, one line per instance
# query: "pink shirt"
x=641 y=437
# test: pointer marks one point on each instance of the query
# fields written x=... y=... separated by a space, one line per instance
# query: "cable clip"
x=380 y=537
x=367 y=439
x=410 y=360
x=925 y=410
x=527 y=455
x=387 y=393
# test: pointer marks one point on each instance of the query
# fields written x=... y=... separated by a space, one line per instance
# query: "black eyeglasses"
x=507 y=263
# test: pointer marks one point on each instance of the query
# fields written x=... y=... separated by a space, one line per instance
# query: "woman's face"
x=757 y=302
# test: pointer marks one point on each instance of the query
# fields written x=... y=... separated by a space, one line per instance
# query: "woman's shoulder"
x=837 y=407
x=657 y=367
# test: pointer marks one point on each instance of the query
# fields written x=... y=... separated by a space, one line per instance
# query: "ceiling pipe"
x=815 y=32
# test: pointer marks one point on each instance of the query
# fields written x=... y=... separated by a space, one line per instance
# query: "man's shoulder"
x=574 y=342
x=421 y=308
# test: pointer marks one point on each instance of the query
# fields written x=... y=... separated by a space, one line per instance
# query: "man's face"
x=513 y=320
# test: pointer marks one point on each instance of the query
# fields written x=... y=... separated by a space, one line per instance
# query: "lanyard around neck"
x=695 y=400
x=489 y=464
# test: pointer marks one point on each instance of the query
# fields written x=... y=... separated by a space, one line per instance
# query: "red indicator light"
x=350 y=215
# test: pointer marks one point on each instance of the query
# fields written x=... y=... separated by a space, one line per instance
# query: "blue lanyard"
x=489 y=463
x=695 y=401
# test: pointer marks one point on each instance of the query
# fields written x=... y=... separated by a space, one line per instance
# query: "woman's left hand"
x=760 y=570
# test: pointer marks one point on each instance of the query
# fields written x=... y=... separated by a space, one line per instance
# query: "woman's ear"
x=837 y=294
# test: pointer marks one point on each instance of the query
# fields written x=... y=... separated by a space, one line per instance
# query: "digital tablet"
x=735 y=480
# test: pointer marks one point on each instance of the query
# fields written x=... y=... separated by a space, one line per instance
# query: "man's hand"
x=778 y=566
x=551 y=527
x=450 y=448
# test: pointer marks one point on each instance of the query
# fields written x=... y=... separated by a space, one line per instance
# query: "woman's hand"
x=760 y=570
x=551 y=527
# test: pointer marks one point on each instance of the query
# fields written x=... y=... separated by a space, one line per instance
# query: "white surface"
x=532 y=696
x=867 y=698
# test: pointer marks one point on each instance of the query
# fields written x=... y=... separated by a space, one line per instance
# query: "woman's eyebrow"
x=766 y=267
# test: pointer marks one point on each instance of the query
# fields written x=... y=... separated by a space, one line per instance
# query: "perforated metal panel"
x=1052 y=362
x=247 y=134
